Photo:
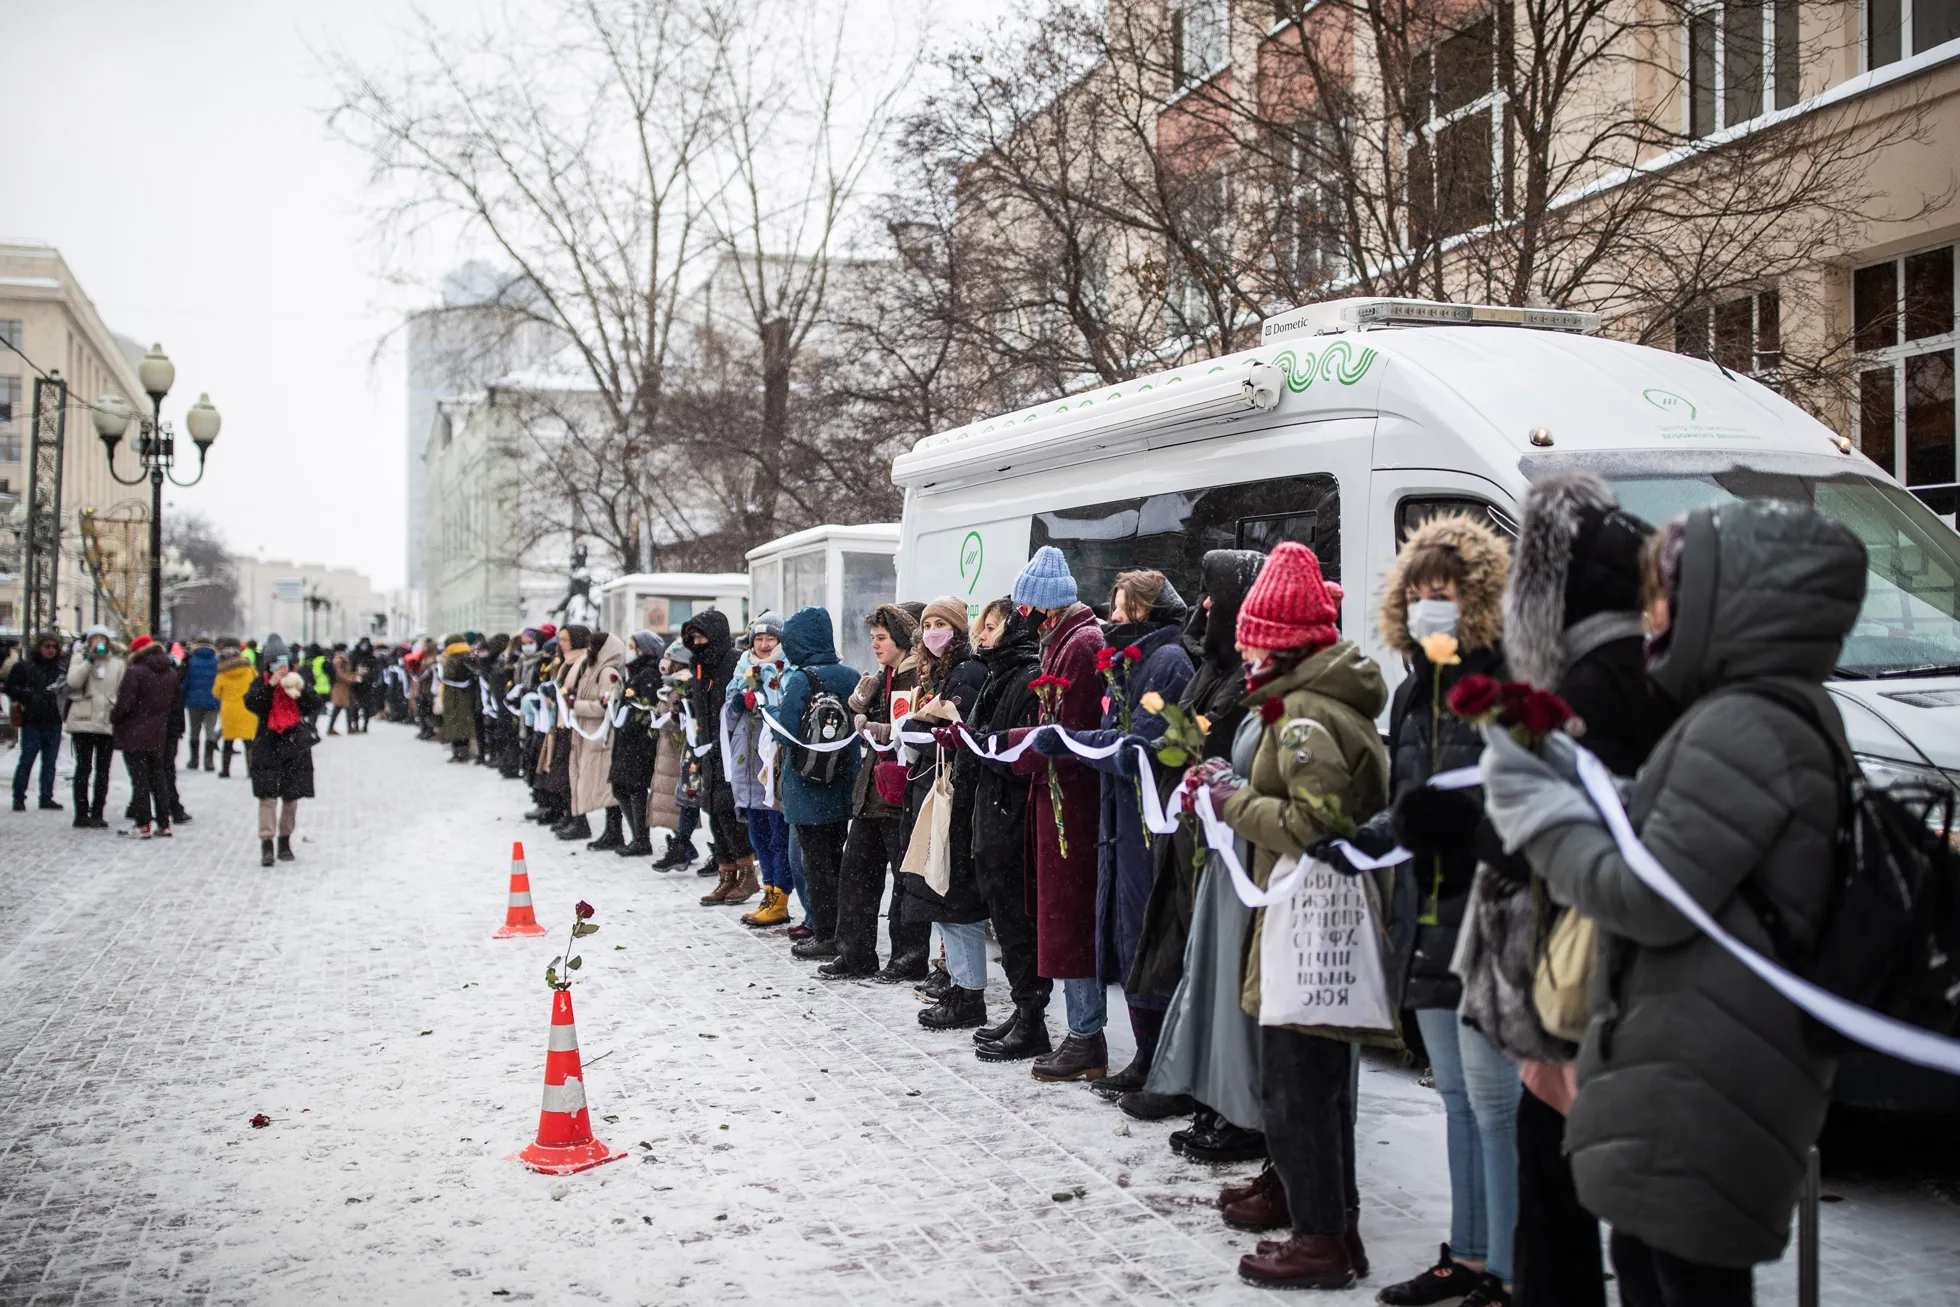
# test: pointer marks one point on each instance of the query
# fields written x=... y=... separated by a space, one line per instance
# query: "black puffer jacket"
x=636 y=743
x=1700 y=1092
x=1000 y=798
x=282 y=761
x=963 y=902
x=36 y=684
x=707 y=689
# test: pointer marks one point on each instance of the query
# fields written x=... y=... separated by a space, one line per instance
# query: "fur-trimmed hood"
x=1578 y=557
x=1480 y=599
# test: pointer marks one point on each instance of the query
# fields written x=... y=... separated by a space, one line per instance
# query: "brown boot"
x=719 y=894
x=1231 y=1193
x=1306 y=1261
x=1263 y=1209
x=748 y=883
x=1076 y=1059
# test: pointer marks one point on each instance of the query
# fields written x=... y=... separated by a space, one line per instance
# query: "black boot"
x=265 y=853
x=634 y=806
x=1026 y=1038
x=960 y=1009
x=1211 y=1138
x=285 y=848
x=224 y=764
x=574 y=828
x=610 y=838
x=210 y=755
x=910 y=967
x=677 y=855
x=938 y=984
x=1128 y=1080
x=1146 y=1106
x=988 y=1034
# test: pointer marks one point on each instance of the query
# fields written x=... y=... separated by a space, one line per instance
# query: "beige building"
x=314 y=603
x=46 y=316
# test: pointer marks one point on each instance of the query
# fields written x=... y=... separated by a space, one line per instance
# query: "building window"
x=1456 y=158
x=1309 y=231
x=12 y=420
x=1743 y=60
x=1887 y=23
x=1903 y=326
x=10 y=333
x=1743 y=334
x=1201 y=41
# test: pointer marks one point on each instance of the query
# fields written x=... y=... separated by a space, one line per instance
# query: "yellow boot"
x=773 y=912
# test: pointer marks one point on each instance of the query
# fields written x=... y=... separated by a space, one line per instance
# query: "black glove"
x=1489 y=848
x=1429 y=821
x=1327 y=850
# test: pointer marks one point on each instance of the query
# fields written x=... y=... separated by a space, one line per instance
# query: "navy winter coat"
x=809 y=646
x=200 y=670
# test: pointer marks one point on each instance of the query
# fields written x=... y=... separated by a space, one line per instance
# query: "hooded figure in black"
x=707 y=637
x=636 y=743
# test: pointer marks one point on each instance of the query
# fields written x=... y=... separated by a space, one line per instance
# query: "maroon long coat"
x=1063 y=890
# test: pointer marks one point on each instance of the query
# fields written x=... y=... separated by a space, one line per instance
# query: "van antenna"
x=1710 y=356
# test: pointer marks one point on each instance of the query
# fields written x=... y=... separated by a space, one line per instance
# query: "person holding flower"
x=281 y=760
x=1306 y=760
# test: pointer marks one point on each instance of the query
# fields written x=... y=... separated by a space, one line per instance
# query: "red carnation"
x=1131 y=652
x=1272 y=710
x=583 y=909
x=1473 y=697
x=1541 y=713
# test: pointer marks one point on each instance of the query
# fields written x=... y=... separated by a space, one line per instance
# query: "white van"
x=845 y=569
x=1354 y=420
x=662 y=602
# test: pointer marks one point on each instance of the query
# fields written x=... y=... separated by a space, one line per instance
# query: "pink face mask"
x=937 y=639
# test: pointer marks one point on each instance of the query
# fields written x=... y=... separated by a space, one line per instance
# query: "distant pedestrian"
x=345 y=682
x=35 y=684
x=141 y=717
x=201 y=704
x=282 y=757
x=235 y=676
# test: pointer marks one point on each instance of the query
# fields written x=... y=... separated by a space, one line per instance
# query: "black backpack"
x=1890 y=939
x=825 y=720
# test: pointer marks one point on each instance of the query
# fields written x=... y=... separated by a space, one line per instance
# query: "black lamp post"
x=156 y=448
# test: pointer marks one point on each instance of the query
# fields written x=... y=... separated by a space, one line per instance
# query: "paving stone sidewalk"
x=790 y=1141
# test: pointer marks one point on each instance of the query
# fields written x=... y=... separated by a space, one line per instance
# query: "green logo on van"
x=1669 y=403
x=972 y=553
x=1337 y=362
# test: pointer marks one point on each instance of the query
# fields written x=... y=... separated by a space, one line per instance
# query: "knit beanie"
x=647 y=644
x=767 y=624
x=949 y=609
x=1046 y=581
x=1290 y=606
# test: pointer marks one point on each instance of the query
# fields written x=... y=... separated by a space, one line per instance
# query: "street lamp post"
x=156 y=448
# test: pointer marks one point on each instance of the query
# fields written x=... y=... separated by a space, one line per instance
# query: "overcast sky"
x=177 y=156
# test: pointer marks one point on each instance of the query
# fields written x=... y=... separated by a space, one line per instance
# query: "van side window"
x=1173 y=532
x=1412 y=513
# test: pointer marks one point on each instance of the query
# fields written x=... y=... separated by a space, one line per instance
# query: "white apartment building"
x=316 y=603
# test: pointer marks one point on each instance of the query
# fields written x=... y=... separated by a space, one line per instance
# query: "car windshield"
x=1908 y=623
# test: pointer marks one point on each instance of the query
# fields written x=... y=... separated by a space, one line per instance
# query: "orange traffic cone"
x=565 y=1143
x=519 y=919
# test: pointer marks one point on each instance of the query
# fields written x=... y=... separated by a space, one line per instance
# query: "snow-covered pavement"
x=790 y=1141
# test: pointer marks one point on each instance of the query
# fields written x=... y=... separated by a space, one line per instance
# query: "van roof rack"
x=1376 y=311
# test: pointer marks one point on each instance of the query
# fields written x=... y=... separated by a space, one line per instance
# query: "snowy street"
x=789 y=1141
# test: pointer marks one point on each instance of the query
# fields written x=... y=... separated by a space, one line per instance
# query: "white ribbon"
x=1861 y=1025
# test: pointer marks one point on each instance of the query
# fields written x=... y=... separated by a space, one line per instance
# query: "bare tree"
x=206 y=605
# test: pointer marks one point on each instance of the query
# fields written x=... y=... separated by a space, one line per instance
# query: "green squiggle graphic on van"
x=972 y=553
x=1337 y=363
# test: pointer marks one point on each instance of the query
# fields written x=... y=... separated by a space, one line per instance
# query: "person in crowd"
x=1213 y=1065
x=493 y=718
x=201 y=704
x=173 y=732
x=1573 y=626
x=272 y=651
x=37 y=685
x=590 y=684
x=458 y=697
x=364 y=701
x=318 y=671
x=236 y=722
x=675 y=802
x=949 y=675
x=1701 y=1089
x=1447 y=584
x=1009 y=648
x=281 y=760
x=876 y=843
x=427 y=671
x=711 y=642
x=636 y=742
x=818 y=810
x=95 y=676
x=343 y=684
x=555 y=758
x=1147 y=663
x=757 y=687
x=1065 y=867
x=1316 y=743
x=145 y=700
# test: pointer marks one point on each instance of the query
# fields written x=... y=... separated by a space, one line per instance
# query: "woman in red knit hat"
x=1313 y=699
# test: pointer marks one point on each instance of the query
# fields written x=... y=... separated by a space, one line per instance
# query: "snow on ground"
x=790 y=1141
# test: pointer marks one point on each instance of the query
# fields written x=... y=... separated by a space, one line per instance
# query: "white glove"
x=1526 y=794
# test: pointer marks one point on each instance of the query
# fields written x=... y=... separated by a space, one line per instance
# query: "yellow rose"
x=1152 y=702
x=1440 y=649
x=1204 y=723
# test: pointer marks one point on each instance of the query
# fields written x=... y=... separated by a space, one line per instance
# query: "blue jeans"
x=684 y=830
x=769 y=837
x=1480 y=1092
x=1087 y=1004
x=801 y=890
x=966 y=953
x=43 y=742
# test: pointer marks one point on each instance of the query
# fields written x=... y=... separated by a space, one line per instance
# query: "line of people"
x=1004 y=770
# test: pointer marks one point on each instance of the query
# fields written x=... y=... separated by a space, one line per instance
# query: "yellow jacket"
x=234 y=677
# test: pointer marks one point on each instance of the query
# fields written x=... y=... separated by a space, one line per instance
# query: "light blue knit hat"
x=1046 y=581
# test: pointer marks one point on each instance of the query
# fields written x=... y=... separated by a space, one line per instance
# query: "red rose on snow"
x=1272 y=710
x=1131 y=652
x=261 y=1121
x=1473 y=696
x=1541 y=713
x=583 y=909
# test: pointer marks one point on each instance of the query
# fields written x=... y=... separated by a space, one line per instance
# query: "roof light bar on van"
x=1068 y=427
x=1354 y=314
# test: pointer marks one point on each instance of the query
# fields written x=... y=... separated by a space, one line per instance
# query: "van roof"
x=1493 y=386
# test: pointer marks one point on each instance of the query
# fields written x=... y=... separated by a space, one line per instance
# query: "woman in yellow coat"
x=235 y=720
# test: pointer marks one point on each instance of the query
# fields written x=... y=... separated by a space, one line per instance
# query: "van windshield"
x=1908 y=625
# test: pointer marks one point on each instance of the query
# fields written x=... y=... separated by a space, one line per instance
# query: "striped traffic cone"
x=519 y=919
x=565 y=1143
